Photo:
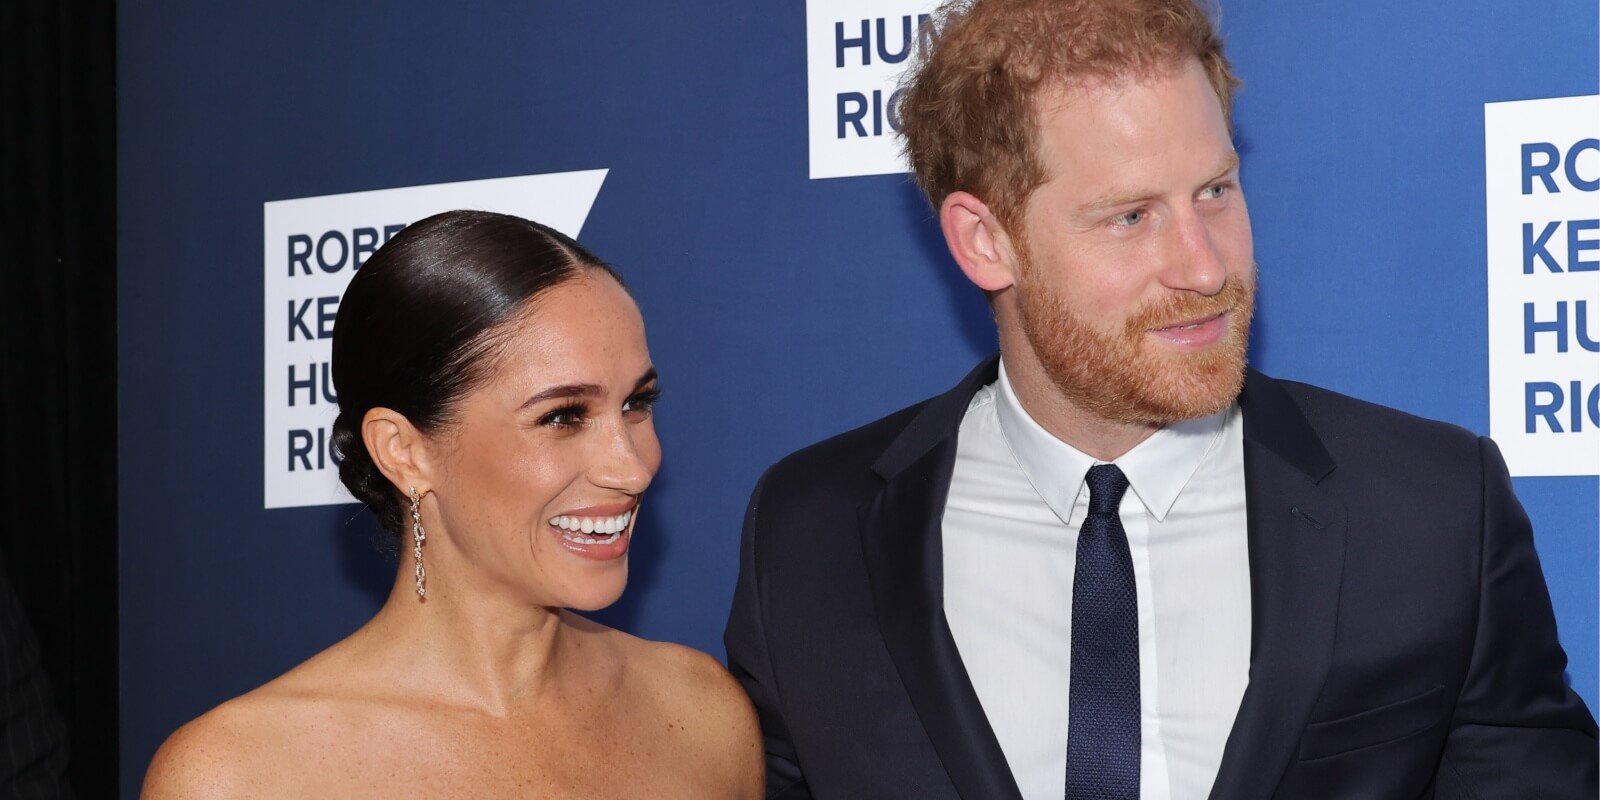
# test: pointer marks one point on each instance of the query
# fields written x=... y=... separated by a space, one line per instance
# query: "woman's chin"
x=594 y=598
x=591 y=587
x=591 y=569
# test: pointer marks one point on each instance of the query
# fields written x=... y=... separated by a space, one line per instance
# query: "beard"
x=1118 y=375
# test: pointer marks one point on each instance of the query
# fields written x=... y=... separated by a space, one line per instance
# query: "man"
x=1116 y=564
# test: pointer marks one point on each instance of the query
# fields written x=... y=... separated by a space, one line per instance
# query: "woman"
x=494 y=412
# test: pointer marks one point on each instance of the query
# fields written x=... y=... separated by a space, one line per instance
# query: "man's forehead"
x=1061 y=94
x=1129 y=138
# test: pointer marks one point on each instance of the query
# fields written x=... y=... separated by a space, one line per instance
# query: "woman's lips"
x=601 y=533
x=1202 y=332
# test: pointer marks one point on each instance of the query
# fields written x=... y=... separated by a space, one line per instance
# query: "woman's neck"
x=475 y=646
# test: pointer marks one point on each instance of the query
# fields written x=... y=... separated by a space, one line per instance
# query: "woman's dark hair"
x=418 y=326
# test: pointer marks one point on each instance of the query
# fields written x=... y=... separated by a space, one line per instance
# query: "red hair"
x=969 y=114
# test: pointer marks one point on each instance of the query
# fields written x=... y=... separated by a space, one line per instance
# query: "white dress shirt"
x=1010 y=535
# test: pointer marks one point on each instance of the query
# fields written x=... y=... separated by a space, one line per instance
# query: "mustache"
x=1185 y=307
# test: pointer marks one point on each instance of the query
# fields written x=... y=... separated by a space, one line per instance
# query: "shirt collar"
x=1157 y=469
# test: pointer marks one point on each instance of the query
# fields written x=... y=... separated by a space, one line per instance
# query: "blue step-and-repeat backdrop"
x=1423 y=180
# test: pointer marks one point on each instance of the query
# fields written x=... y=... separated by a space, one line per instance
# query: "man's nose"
x=1193 y=261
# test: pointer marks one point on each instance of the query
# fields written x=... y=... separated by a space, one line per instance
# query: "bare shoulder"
x=703 y=702
x=680 y=678
x=699 y=704
x=239 y=750
x=689 y=678
x=226 y=753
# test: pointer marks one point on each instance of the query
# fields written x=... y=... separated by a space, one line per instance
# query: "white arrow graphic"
x=311 y=249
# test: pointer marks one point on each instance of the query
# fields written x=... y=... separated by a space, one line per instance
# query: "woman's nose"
x=626 y=460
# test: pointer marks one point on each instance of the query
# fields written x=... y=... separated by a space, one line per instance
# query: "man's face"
x=1137 y=279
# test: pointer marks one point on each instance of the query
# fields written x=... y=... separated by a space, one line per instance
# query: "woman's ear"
x=978 y=243
x=398 y=448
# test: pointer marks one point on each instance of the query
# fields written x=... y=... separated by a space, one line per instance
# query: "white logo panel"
x=856 y=52
x=312 y=247
x=1542 y=178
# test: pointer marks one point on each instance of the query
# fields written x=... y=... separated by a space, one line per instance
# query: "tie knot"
x=1106 y=487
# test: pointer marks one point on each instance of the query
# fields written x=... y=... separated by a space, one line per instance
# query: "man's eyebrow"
x=581 y=390
x=1113 y=199
x=1229 y=163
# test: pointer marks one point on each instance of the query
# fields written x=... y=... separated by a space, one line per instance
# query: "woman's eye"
x=565 y=417
x=1129 y=219
x=642 y=403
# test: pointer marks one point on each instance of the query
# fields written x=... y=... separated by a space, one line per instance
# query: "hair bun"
x=360 y=475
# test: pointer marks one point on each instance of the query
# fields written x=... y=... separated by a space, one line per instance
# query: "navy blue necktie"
x=1103 y=701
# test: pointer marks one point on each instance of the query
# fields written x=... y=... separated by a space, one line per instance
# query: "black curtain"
x=58 y=376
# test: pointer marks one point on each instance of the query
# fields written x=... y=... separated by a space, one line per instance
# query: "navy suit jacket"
x=1402 y=645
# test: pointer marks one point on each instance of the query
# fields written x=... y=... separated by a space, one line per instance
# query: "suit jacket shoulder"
x=839 y=467
x=1382 y=452
x=806 y=635
x=1440 y=596
x=846 y=470
x=1357 y=427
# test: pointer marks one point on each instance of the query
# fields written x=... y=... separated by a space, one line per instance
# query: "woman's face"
x=538 y=476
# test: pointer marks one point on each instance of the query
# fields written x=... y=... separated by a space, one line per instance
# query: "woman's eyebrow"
x=564 y=391
x=568 y=391
x=646 y=379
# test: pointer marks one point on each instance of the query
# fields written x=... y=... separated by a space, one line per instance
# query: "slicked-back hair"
x=421 y=323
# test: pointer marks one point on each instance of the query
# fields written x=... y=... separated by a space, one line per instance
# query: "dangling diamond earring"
x=417 y=538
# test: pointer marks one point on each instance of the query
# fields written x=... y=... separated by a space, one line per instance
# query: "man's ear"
x=398 y=448
x=978 y=243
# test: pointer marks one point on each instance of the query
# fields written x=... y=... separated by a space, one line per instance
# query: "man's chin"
x=1161 y=394
x=1195 y=396
x=1135 y=378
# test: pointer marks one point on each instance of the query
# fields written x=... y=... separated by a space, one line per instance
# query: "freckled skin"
x=490 y=689
x=320 y=733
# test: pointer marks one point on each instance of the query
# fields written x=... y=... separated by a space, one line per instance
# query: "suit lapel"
x=902 y=542
x=1296 y=545
x=1296 y=535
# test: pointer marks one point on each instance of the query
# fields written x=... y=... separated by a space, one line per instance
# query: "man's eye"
x=1129 y=219
x=1214 y=192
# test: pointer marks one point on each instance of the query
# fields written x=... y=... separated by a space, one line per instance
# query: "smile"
x=1195 y=333
x=1187 y=326
x=576 y=529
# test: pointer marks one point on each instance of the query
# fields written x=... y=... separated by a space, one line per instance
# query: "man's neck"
x=1090 y=433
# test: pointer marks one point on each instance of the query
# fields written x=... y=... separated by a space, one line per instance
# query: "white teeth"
x=587 y=540
x=610 y=526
